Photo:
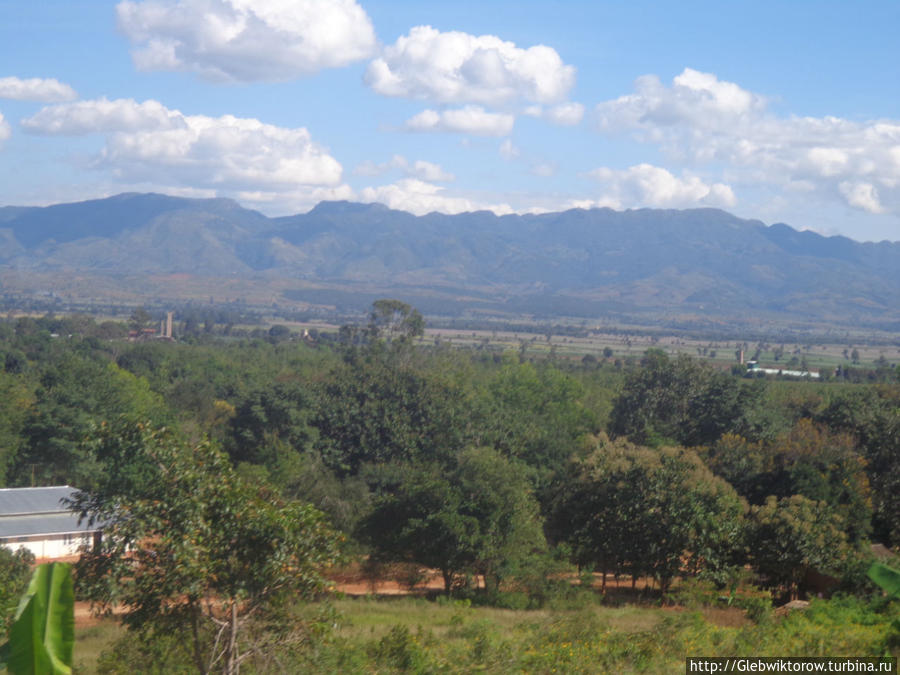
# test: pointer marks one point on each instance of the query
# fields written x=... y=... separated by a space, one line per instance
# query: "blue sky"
x=771 y=110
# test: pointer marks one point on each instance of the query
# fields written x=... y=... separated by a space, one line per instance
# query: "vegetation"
x=15 y=571
x=42 y=634
x=414 y=635
x=234 y=472
x=191 y=549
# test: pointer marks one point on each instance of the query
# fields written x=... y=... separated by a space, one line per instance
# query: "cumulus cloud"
x=420 y=197
x=293 y=201
x=647 y=185
x=471 y=119
x=694 y=99
x=701 y=119
x=564 y=115
x=601 y=203
x=455 y=67
x=146 y=142
x=102 y=116
x=36 y=89
x=246 y=40
x=861 y=195
x=429 y=171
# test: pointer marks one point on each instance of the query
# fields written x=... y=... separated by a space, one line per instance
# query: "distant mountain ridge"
x=577 y=262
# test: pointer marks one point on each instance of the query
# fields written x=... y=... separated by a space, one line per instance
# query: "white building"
x=753 y=368
x=38 y=519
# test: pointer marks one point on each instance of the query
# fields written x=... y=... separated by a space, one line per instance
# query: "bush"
x=401 y=650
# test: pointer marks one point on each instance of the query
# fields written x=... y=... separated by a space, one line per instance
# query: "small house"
x=38 y=519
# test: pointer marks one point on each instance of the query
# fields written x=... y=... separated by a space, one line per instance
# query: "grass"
x=91 y=640
x=417 y=635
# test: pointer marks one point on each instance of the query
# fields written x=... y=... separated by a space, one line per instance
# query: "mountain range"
x=577 y=263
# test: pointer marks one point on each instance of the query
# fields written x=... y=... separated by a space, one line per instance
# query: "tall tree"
x=395 y=321
x=873 y=417
x=188 y=546
x=477 y=517
x=790 y=536
x=680 y=401
x=646 y=511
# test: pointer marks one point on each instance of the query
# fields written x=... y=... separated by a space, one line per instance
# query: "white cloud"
x=420 y=169
x=430 y=172
x=420 y=197
x=564 y=115
x=36 y=89
x=293 y=201
x=646 y=185
x=146 y=142
x=602 y=203
x=246 y=40
x=508 y=150
x=102 y=116
x=5 y=131
x=694 y=99
x=471 y=119
x=455 y=67
x=861 y=195
x=700 y=119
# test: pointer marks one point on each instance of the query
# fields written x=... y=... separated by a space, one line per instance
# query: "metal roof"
x=21 y=501
x=54 y=523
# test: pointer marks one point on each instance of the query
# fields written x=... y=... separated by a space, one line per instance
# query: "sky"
x=776 y=111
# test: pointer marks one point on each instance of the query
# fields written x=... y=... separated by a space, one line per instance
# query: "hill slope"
x=577 y=262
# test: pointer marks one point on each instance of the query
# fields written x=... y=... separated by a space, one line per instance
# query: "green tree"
x=497 y=493
x=374 y=410
x=75 y=392
x=16 y=400
x=646 y=511
x=872 y=416
x=823 y=466
x=139 y=318
x=479 y=517
x=533 y=413
x=790 y=536
x=423 y=521
x=742 y=463
x=395 y=321
x=680 y=401
x=269 y=419
x=190 y=547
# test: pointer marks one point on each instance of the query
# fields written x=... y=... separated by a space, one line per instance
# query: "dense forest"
x=505 y=474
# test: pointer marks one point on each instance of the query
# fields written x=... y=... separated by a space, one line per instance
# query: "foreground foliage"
x=413 y=635
x=42 y=634
x=190 y=549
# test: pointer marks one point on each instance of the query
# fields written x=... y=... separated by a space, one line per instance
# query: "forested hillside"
x=645 y=264
x=490 y=468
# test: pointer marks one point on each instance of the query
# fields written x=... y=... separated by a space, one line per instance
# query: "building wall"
x=50 y=546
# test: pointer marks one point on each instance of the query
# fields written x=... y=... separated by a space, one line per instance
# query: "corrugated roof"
x=55 y=523
x=20 y=501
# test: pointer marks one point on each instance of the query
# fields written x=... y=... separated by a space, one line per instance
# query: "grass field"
x=417 y=635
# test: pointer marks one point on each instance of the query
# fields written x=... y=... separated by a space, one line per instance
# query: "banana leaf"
x=43 y=633
x=886 y=577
